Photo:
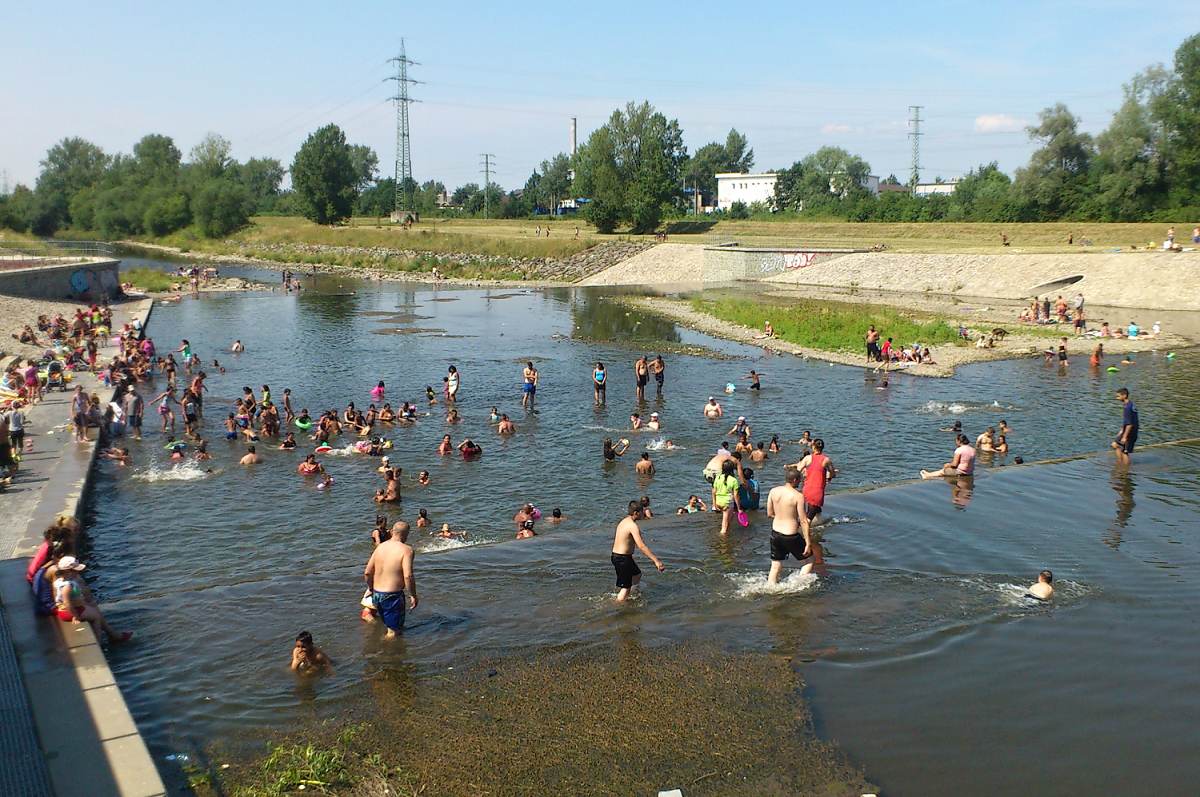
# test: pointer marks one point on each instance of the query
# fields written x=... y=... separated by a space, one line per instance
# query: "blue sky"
x=506 y=79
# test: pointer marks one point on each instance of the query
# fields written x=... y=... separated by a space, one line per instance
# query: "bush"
x=738 y=211
x=220 y=207
x=166 y=214
x=603 y=215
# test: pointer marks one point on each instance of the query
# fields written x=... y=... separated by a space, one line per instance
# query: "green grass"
x=832 y=326
x=149 y=279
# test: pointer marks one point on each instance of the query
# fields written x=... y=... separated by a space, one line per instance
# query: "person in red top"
x=886 y=351
x=817 y=469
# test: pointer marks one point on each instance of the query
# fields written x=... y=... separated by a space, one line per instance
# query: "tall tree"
x=323 y=176
x=211 y=156
x=366 y=165
x=1178 y=108
x=630 y=168
x=1055 y=181
x=261 y=177
x=1129 y=166
x=69 y=166
x=826 y=181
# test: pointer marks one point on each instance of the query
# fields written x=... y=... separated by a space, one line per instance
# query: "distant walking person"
x=1125 y=441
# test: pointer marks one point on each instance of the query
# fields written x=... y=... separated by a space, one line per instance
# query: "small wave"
x=446 y=544
x=343 y=451
x=603 y=428
x=661 y=445
x=752 y=585
x=841 y=520
x=185 y=472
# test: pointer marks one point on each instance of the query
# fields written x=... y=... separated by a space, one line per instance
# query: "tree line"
x=634 y=171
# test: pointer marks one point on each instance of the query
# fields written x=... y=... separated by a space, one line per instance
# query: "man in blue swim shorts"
x=529 y=385
x=389 y=573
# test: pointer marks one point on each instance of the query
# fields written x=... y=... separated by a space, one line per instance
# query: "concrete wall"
x=90 y=279
x=735 y=263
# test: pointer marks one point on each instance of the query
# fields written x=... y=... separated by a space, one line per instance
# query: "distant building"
x=894 y=188
x=929 y=189
x=748 y=188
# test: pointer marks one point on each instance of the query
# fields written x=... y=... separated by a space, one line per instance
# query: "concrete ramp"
x=660 y=265
x=1119 y=279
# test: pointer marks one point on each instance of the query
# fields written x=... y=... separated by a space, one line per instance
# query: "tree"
x=378 y=199
x=739 y=210
x=220 y=207
x=156 y=160
x=429 y=194
x=738 y=155
x=323 y=176
x=1178 y=109
x=630 y=167
x=555 y=182
x=15 y=209
x=1054 y=183
x=715 y=158
x=828 y=181
x=366 y=166
x=166 y=213
x=1129 y=168
x=463 y=193
x=211 y=156
x=261 y=177
x=984 y=194
x=70 y=165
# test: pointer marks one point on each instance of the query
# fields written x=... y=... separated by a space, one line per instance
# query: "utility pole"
x=403 y=174
x=489 y=160
x=914 y=133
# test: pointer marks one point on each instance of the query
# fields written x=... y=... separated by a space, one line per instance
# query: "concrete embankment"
x=60 y=695
x=664 y=264
x=1153 y=280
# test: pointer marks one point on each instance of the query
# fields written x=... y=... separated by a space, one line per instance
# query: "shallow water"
x=926 y=647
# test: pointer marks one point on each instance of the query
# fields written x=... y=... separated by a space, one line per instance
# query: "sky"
x=506 y=79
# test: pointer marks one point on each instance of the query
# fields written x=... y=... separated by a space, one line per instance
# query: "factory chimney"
x=574 y=142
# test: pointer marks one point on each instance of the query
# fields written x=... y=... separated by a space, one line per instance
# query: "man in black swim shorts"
x=629 y=536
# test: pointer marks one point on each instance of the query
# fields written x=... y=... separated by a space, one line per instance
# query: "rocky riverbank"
x=413 y=265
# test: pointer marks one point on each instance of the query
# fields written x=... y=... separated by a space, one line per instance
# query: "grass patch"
x=625 y=720
x=149 y=279
x=832 y=326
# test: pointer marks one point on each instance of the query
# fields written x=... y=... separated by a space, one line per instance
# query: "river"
x=927 y=663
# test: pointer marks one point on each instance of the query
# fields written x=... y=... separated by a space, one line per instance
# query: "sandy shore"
x=16 y=312
x=1015 y=346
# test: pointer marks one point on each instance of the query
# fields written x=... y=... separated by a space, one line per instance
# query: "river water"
x=927 y=663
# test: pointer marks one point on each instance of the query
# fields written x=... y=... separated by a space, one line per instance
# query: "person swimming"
x=1043 y=590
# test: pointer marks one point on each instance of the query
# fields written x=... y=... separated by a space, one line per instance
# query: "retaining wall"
x=86 y=280
x=735 y=263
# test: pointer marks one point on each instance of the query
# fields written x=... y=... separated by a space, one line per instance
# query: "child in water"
x=308 y=659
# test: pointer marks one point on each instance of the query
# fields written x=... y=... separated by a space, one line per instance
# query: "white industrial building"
x=750 y=188
x=929 y=189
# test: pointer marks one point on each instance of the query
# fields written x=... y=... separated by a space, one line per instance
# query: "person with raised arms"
x=628 y=537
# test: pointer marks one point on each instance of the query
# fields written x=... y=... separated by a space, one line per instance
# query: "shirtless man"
x=391 y=489
x=789 y=534
x=251 y=457
x=641 y=372
x=713 y=468
x=873 y=352
x=659 y=369
x=817 y=470
x=529 y=386
x=523 y=514
x=654 y=424
x=389 y=572
x=644 y=467
x=1043 y=590
x=712 y=409
x=505 y=426
x=629 y=536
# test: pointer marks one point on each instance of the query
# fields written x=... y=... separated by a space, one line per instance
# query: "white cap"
x=385 y=458
x=741 y=417
x=654 y=415
x=710 y=398
x=70 y=563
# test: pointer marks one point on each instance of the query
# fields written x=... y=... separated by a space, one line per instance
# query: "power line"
x=488 y=162
x=404 y=198
x=915 y=134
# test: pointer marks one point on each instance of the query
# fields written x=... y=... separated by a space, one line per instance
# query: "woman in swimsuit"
x=774 y=446
x=452 y=384
x=610 y=451
x=445 y=447
x=386 y=415
x=165 y=400
x=599 y=383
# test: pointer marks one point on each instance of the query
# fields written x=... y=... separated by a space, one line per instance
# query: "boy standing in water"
x=659 y=369
x=1129 y=427
x=628 y=536
x=817 y=470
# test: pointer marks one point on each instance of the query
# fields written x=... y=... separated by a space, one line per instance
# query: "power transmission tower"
x=404 y=197
x=914 y=133
x=489 y=160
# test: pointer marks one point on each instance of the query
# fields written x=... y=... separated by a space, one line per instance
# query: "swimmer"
x=423 y=478
x=556 y=516
x=218 y=367
x=386 y=415
x=202 y=454
x=635 y=421
x=1002 y=445
x=430 y=395
x=641 y=373
x=494 y=416
x=644 y=467
x=377 y=392
x=712 y=409
x=422 y=518
x=308 y=659
x=288 y=414
x=610 y=451
x=445 y=447
x=326 y=481
x=470 y=449
x=237 y=347
x=289 y=442
x=961 y=464
x=789 y=534
x=453 y=417
x=390 y=493
x=759 y=454
x=987 y=440
x=1043 y=590
x=755 y=383
x=251 y=457
x=505 y=426
x=526 y=531
x=453 y=382
x=309 y=466
x=773 y=447
x=628 y=536
x=956 y=428
x=740 y=427
x=646 y=513
x=654 y=423
x=1004 y=428
x=117 y=455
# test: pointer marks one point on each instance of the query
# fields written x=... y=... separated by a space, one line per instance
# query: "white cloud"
x=998 y=123
x=835 y=129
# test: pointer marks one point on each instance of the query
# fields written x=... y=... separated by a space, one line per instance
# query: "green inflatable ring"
x=302 y=425
x=1112 y=369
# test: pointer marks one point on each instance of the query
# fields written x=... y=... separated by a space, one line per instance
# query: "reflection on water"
x=219 y=571
x=600 y=319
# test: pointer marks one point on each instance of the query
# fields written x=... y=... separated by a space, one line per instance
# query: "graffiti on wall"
x=794 y=260
x=92 y=283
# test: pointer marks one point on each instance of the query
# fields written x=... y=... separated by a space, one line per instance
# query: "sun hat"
x=654 y=415
x=70 y=563
x=741 y=417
